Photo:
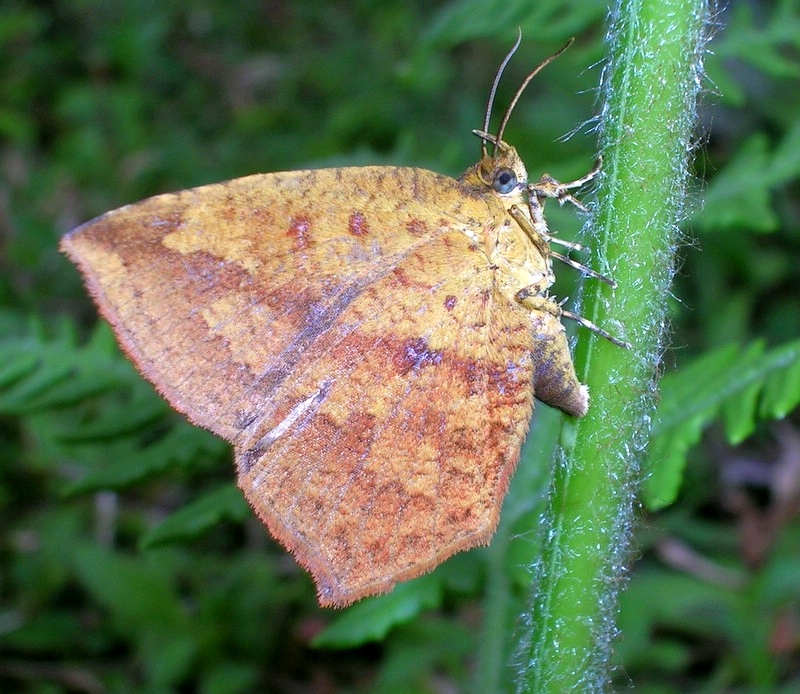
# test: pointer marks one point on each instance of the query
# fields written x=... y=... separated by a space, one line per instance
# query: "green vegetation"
x=128 y=560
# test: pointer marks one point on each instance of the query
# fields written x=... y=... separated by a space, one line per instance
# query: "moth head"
x=503 y=171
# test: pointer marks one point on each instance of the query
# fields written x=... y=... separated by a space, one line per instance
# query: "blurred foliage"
x=129 y=563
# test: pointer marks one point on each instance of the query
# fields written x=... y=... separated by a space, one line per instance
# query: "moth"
x=369 y=340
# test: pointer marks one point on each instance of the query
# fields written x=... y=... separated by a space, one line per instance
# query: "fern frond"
x=199 y=516
x=739 y=386
x=39 y=374
x=86 y=404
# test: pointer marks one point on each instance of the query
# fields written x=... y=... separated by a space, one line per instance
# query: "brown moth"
x=369 y=340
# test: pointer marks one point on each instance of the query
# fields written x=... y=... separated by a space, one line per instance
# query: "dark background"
x=102 y=104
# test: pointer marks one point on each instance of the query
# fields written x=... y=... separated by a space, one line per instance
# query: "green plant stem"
x=650 y=96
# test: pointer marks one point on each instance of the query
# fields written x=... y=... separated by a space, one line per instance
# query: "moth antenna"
x=490 y=103
x=524 y=84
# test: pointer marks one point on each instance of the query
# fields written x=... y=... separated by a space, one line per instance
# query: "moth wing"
x=342 y=328
x=229 y=283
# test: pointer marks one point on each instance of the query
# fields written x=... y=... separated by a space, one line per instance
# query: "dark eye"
x=504 y=180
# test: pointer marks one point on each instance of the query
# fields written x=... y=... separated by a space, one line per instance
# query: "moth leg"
x=533 y=300
x=572 y=245
x=596 y=329
x=540 y=238
x=584 y=269
x=548 y=187
x=535 y=227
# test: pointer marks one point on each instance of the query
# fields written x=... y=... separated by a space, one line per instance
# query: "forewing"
x=215 y=291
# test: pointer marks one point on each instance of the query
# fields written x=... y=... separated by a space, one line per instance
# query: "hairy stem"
x=650 y=90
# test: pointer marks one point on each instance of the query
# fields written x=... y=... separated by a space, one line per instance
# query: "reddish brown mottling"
x=416 y=227
x=300 y=231
x=401 y=276
x=357 y=224
x=450 y=302
x=415 y=354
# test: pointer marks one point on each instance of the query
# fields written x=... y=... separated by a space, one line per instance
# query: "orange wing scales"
x=410 y=469
x=357 y=336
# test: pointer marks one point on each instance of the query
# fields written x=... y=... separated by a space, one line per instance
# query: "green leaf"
x=39 y=374
x=137 y=594
x=724 y=205
x=231 y=678
x=742 y=386
x=467 y=20
x=193 y=519
x=780 y=392
x=759 y=169
x=182 y=445
x=15 y=364
x=372 y=618
x=764 y=44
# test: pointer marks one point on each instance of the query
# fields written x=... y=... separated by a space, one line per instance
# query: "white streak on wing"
x=311 y=403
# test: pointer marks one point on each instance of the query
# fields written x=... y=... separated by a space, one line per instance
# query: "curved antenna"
x=525 y=83
x=490 y=102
